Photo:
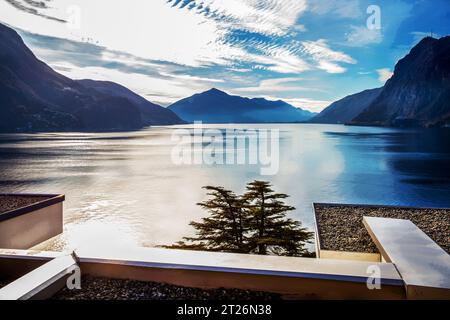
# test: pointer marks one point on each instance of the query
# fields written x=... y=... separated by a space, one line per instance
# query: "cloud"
x=174 y=48
x=270 y=17
x=305 y=103
x=275 y=85
x=263 y=54
x=184 y=32
x=149 y=29
x=361 y=36
x=326 y=58
x=158 y=81
x=205 y=33
x=33 y=7
x=284 y=89
x=157 y=89
x=279 y=60
x=341 y=8
x=331 y=67
x=384 y=74
x=187 y=77
x=56 y=51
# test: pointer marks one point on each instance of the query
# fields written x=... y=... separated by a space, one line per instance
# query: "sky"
x=306 y=52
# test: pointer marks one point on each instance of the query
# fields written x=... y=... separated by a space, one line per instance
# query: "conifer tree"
x=253 y=223
x=270 y=230
x=224 y=229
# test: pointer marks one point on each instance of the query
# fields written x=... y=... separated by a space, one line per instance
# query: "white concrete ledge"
x=422 y=264
x=29 y=254
x=354 y=271
x=291 y=277
x=40 y=283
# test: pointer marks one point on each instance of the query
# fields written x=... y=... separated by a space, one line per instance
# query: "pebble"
x=8 y=203
x=114 y=289
x=341 y=227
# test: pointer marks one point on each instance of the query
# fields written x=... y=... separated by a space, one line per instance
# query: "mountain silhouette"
x=216 y=106
x=346 y=109
x=33 y=97
x=418 y=93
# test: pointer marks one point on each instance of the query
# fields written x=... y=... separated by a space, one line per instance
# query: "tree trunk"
x=261 y=246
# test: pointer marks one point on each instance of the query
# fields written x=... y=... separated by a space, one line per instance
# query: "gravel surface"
x=341 y=227
x=112 y=289
x=8 y=203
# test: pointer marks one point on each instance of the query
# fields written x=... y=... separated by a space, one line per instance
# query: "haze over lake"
x=123 y=188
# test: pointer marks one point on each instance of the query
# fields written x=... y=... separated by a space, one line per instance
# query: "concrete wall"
x=288 y=287
x=354 y=256
x=30 y=229
x=307 y=278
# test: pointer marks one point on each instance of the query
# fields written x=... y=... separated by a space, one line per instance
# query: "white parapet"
x=25 y=227
x=42 y=282
x=423 y=265
x=289 y=276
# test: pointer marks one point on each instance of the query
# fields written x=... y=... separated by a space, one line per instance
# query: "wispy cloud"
x=340 y=8
x=275 y=85
x=326 y=58
x=161 y=90
x=279 y=60
x=305 y=103
x=384 y=74
x=360 y=36
x=187 y=77
x=34 y=7
x=269 y=17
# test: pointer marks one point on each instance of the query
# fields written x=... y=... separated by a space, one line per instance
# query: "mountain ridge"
x=216 y=106
x=345 y=110
x=418 y=93
x=34 y=97
x=151 y=113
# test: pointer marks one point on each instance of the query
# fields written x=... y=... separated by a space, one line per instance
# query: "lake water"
x=124 y=189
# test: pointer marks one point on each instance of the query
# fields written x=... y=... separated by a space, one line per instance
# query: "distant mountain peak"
x=216 y=106
x=427 y=39
x=215 y=91
x=418 y=92
x=416 y=95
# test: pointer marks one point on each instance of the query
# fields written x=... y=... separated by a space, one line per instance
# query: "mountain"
x=33 y=97
x=418 y=94
x=151 y=113
x=215 y=106
x=345 y=110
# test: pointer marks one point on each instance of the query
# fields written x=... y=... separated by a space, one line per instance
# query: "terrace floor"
x=115 y=289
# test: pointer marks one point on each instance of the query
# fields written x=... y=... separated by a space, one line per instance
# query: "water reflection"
x=123 y=189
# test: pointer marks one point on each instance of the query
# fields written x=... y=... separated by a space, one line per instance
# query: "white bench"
x=423 y=265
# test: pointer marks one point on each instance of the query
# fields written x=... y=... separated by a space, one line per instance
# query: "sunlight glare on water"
x=122 y=189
